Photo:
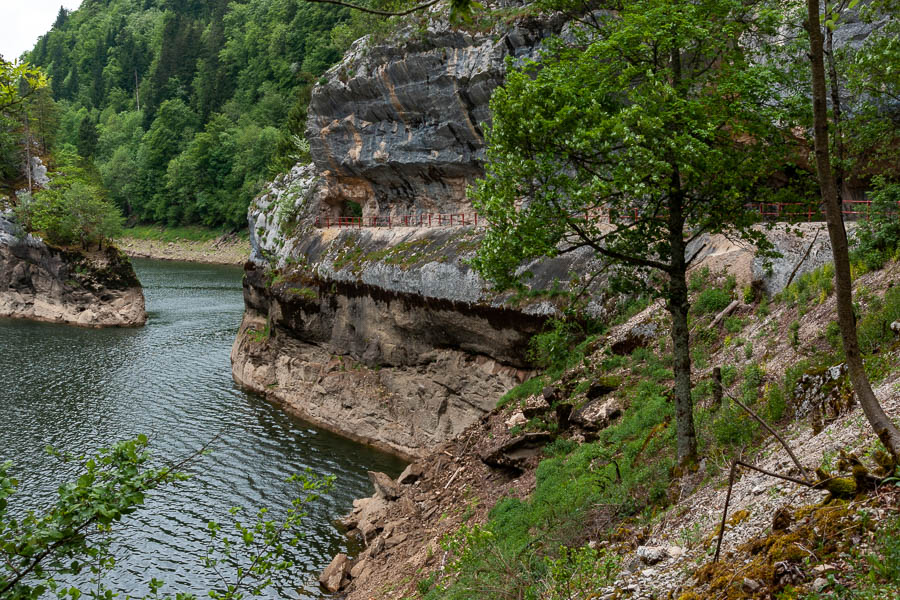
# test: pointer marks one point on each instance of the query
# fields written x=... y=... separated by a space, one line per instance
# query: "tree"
x=887 y=432
x=17 y=82
x=72 y=209
x=87 y=137
x=656 y=118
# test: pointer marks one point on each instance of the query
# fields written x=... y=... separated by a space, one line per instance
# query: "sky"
x=23 y=21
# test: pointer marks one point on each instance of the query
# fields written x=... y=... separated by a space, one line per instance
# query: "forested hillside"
x=184 y=107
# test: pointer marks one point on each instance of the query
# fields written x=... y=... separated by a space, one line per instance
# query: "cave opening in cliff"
x=349 y=208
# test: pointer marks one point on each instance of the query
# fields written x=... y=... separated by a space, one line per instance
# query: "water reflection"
x=79 y=389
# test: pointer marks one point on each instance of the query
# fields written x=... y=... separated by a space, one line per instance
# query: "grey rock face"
x=49 y=284
x=399 y=126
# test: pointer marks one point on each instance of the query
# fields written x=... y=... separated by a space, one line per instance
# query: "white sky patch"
x=23 y=21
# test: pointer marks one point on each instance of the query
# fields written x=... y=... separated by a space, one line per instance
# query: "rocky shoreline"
x=226 y=250
x=90 y=289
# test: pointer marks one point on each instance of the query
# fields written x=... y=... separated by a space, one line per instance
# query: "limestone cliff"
x=383 y=335
x=398 y=126
x=44 y=283
x=386 y=334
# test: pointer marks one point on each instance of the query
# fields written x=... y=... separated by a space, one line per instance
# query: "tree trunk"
x=686 y=438
x=684 y=410
x=885 y=429
x=837 y=116
x=681 y=346
x=28 y=153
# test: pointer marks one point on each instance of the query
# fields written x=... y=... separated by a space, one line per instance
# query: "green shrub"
x=734 y=324
x=818 y=284
x=775 y=403
x=699 y=279
x=70 y=212
x=613 y=362
x=560 y=447
x=702 y=390
x=519 y=552
x=733 y=427
x=562 y=345
x=878 y=237
x=749 y=294
x=753 y=378
x=874 y=327
x=729 y=374
x=833 y=336
x=795 y=333
x=632 y=307
x=711 y=301
x=523 y=390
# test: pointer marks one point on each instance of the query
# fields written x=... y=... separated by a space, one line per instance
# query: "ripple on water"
x=79 y=389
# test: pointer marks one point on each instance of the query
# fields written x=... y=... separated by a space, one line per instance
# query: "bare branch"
x=790 y=452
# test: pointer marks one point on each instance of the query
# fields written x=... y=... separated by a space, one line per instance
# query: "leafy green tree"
x=878 y=236
x=72 y=209
x=656 y=117
x=40 y=546
x=246 y=60
x=18 y=83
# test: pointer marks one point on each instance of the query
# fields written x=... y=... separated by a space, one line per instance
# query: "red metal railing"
x=853 y=210
x=391 y=221
x=769 y=211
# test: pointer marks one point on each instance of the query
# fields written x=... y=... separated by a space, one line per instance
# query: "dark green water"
x=78 y=389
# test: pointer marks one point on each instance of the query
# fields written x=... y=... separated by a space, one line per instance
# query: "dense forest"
x=181 y=109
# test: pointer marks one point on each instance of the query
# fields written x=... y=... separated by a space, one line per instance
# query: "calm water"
x=78 y=389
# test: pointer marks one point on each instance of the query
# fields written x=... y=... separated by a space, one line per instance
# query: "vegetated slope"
x=568 y=490
x=184 y=106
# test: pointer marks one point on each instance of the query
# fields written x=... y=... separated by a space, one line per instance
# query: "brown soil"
x=456 y=488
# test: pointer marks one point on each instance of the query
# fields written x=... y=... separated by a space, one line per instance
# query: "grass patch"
x=529 y=547
x=190 y=233
x=524 y=390
x=712 y=300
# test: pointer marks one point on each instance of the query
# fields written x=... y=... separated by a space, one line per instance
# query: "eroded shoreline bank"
x=225 y=250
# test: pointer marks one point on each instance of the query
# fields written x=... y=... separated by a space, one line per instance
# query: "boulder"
x=601 y=386
x=535 y=406
x=563 y=415
x=514 y=453
x=550 y=393
x=332 y=578
x=385 y=487
x=631 y=337
x=823 y=395
x=516 y=420
x=45 y=283
x=367 y=516
x=359 y=568
x=412 y=473
x=597 y=414
x=651 y=555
